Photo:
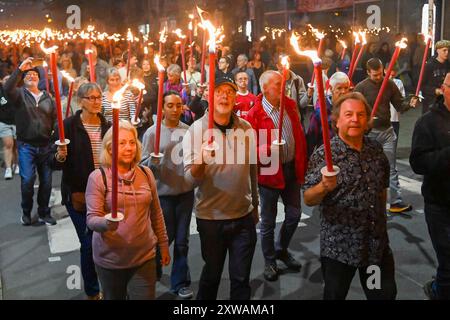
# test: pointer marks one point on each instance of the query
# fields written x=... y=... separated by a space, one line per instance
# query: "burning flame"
x=179 y=34
x=158 y=63
x=146 y=50
x=262 y=38
x=285 y=62
x=163 y=36
x=66 y=75
x=427 y=37
x=344 y=45
x=48 y=50
x=88 y=51
x=363 y=37
x=117 y=97
x=206 y=24
x=130 y=35
x=356 y=35
x=45 y=65
x=402 y=43
x=190 y=25
x=137 y=84
x=312 y=54
x=319 y=35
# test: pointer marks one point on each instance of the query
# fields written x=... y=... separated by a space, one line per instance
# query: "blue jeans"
x=290 y=196
x=32 y=159
x=217 y=237
x=91 y=287
x=388 y=139
x=438 y=222
x=177 y=212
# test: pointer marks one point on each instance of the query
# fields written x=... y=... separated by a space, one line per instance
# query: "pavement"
x=41 y=262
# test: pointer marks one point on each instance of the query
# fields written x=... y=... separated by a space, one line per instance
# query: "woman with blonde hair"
x=124 y=252
x=65 y=62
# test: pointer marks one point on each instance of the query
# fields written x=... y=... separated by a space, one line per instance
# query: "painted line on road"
x=54 y=259
x=409 y=278
x=410 y=184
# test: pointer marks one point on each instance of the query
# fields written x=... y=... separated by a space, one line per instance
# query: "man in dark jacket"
x=430 y=156
x=35 y=120
x=434 y=74
x=382 y=130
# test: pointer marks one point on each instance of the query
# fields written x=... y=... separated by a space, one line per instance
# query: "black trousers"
x=338 y=277
x=217 y=238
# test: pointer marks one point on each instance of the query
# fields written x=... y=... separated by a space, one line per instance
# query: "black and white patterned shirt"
x=353 y=216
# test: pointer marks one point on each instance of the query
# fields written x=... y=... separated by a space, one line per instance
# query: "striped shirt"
x=127 y=107
x=287 y=132
x=95 y=135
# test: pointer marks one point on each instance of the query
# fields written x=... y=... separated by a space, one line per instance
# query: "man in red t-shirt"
x=244 y=99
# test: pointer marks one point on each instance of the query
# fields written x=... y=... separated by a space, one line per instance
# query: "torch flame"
x=146 y=50
x=312 y=54
x=88 y=51
x=117 y=97
x=66 y=75
x=319 y=35
x=285 y=61
x=137 y=84
x=363 y=37
x=344 y=45
x=48 y=50
x=158 y=64
x=356 y=35
x=190 y=25
x=427 y=37
x=163 y=36
x=179 y=34
x=212 y=35
x=262 y=38
x=130 y=35
x=45 y=65
x=402 y=43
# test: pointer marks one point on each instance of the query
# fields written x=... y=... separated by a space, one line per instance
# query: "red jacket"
x=259 y=119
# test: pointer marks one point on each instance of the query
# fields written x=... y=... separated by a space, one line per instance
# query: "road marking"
x=410 y=184
x=62 y=237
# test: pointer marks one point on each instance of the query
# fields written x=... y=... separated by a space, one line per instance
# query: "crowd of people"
x=157 y=194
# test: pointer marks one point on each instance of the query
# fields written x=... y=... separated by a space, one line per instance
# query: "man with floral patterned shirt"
x=353 y=233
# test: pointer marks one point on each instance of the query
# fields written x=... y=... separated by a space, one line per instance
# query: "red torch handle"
x=212 y=61
x=319 y=50
x=352 y=62
x=202 y=67
x=324 y=117
x=59 y=113
x=282 y=103
x=159 y=113
x=69 y=100
x=139 y=104
x=129 y=58
x=361 y=50
x=91 y=69
x=343 y=54
x=183 y=60
x=114 y=162
x=422 y=69
x=385 y=81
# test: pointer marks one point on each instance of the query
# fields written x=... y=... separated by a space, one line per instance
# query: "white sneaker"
x=16 y=170
x=8 y=174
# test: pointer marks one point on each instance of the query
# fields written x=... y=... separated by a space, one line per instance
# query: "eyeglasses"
x=93 y=99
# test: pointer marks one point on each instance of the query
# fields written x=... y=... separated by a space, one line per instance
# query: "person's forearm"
x=314 y=195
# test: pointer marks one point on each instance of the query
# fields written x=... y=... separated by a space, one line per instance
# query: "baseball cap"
x=35 y=69
x=225 y=80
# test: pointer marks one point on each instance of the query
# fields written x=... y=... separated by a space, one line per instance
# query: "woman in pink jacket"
x=124 y=252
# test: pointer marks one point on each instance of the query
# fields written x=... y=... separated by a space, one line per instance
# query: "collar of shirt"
x=270 y=109
x=243 y=94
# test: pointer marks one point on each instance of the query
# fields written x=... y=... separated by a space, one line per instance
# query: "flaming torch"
x=344 y=48
x=115 y=215
x=329 y=169
x=52 y=52
x=161 y=71
x=89 y=53
x=354 y=54
x=139 y=85
x=182 y=38
x=428 y=39
x=319 y=35
x=285 y=64
x=361 y=50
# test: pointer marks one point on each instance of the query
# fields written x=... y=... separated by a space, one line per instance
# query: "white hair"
x=265 y=77
x=338 y=78
x=174 y=69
